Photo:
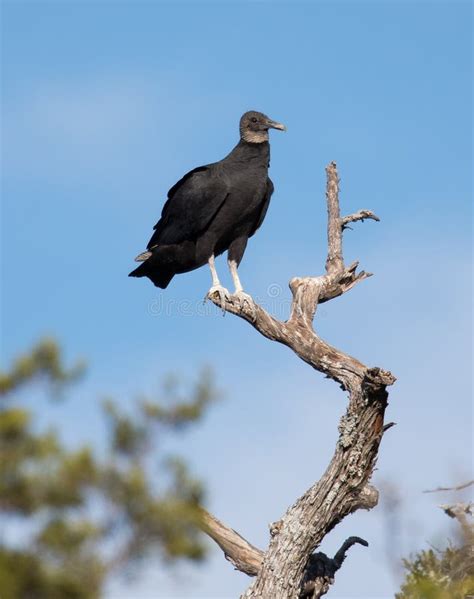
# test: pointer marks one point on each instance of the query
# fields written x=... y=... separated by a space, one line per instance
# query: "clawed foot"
x=241 y=298
x=238 y=298
x=224 y=295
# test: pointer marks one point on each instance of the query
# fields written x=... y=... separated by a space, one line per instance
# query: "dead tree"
x=289 y=568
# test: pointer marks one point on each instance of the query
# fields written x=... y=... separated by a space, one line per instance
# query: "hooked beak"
x=274 y=125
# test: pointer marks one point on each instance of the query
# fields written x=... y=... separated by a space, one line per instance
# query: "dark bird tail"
x=161 y=263
x=159 y=277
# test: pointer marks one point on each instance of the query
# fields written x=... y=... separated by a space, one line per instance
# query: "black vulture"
x=212 y=209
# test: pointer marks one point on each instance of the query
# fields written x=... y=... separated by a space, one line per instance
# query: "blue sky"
x=106 y=104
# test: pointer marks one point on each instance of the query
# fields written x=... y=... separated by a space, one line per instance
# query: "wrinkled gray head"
x=254 y=127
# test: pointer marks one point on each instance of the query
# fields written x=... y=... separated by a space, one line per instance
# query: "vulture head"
x=254 y=127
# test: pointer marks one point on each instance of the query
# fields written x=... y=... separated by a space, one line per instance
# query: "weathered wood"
x=334 y=261
x=455 y=488
x=282 y=571
x=322 y=569
x=244 y=556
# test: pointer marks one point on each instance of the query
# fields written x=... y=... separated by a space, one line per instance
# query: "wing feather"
x=192 y=204
x=265 y=204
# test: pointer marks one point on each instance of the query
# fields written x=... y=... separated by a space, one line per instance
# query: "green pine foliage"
x=442 y=574
x=85 y=513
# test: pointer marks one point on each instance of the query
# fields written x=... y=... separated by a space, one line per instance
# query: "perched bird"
x=212 y=209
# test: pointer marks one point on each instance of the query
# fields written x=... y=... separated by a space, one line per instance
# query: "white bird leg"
x=216 y=284
x=235 y=277
x=212 y=266
x=239 y=293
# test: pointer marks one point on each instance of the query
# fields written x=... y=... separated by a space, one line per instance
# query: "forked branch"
x=288 y=568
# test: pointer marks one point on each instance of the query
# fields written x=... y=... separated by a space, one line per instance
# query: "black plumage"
x=212 y=209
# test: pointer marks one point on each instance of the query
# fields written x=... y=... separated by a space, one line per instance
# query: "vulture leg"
x=236 y=251
x=239 y=293
x=216 y=284
x=235 y=277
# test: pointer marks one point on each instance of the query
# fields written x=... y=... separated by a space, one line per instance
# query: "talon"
x=224 y=295
x=242 y=299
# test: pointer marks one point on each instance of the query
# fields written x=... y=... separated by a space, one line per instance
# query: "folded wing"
x=192 y=204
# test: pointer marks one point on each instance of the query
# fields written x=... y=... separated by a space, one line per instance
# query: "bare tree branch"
x=361 y=215
x=334 y=261
x=456 y=510
x=322 y=569
x=244 y=556
x=458 y=488
x=462 y=512
x=343 y=487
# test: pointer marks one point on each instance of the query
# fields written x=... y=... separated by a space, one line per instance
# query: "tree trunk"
x=289 y=568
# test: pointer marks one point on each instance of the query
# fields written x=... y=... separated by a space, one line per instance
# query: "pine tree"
x=85 y=513
x=443 y=573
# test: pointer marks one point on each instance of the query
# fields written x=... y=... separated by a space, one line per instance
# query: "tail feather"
x=161 y=263
x=160 y=277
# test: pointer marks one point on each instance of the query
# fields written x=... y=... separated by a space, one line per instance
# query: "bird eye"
x=253 y=119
